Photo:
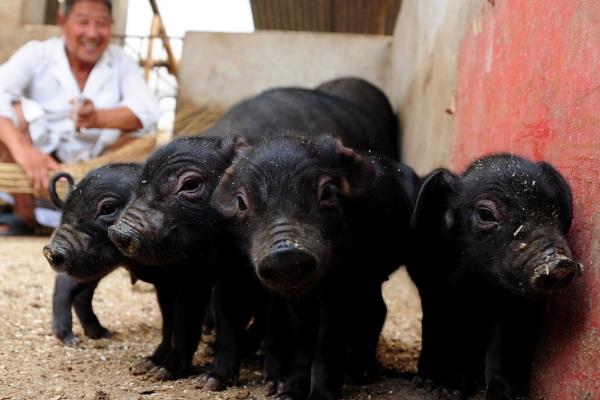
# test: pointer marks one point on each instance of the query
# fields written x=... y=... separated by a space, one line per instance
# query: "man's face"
x=87 y=30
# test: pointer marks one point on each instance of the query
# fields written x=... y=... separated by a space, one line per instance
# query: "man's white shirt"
x=39 y=76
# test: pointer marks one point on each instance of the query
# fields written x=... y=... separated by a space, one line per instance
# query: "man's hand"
x=37 y=166
x=87 y=115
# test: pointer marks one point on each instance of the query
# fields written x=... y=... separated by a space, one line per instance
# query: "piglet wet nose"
x=287 y=266
x=124 y=239
x=56 y=257
x=556 y=273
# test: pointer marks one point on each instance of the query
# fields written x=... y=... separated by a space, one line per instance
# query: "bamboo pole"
x=149 y=62
x=162 y=32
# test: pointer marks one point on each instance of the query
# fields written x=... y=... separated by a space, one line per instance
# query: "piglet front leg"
x=327 y=372
x=69 y=292
x=89 y=321
x=509 y=353
x=191 y=299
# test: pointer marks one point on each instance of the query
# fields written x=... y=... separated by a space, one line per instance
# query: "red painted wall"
x=529 y=83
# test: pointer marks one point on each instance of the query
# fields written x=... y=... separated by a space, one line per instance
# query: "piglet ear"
x=225 y=194
x=432 y=214
x=359 y=173
x=411 y=182
x=233 y=146
x=559 y=187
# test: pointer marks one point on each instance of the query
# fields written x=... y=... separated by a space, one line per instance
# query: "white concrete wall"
x=120 y=16
x=33 y=12
x=417 y=69
x=222 y=68
x=423 y=76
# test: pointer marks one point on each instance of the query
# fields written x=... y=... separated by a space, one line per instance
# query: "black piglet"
x=79 y=249
x=491 y=245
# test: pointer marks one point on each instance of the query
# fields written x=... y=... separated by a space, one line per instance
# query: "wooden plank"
x=348 y=16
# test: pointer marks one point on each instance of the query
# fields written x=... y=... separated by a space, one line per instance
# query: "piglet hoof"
x=211 y=383
x=358 y=378
x=161 y=373
x=424 y=383
x=144 y=366
x=428 y=385
x=451 y=394
x=417 y=381
x=366 y=374
x=68 y=338
x=321 y=396
x=99 y=332
x=272 y=388
x=175 y=365
x=285 y=397
x=209 y=351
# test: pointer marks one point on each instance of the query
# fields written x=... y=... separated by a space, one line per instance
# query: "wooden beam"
x=156 y=63
x=165 y=39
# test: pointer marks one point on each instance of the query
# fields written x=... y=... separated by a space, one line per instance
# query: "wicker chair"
x=14 y=180
x=191 y=119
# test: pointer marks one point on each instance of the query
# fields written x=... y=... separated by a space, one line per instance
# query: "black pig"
x=348 y=108
x=164 y=224
x=490 y=245
x=324 y=227
x=171 y=227
x=80 y=250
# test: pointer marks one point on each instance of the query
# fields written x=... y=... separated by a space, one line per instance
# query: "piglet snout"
x=125 y=238
x=286 y=268
x=555 y=272
x=56 y=257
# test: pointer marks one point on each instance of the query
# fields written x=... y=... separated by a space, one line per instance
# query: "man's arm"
x=121 y=118
x=15 y=75
x=138 y=109
x=137 y=96
x=35 y=163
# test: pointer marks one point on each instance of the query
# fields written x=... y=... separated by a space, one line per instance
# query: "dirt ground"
x=35 y=365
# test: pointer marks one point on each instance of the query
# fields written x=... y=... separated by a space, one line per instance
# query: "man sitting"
x=66 y=100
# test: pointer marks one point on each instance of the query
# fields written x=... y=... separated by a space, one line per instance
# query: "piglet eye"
x=487 y=215
x=241 y=200
x=107 y=207
x=241 y=203
x=191 y=184
x=328 y=191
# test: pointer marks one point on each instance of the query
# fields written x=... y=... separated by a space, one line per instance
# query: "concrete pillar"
x=120 y=16
x=528 y=83
x=10 y=14
x=423 y=77
x=477 y=76
x=33 y=12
